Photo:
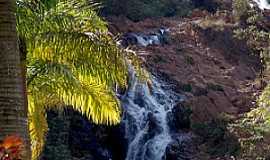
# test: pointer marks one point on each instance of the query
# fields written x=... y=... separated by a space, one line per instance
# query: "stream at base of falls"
x=145 y=118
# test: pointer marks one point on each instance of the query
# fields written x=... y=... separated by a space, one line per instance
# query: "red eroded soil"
x=214 y=70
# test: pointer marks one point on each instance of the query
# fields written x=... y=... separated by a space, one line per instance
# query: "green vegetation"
x=255 y=125
x=189 y=60
x=215 y=87
x=240 y=9
x=253 y=32
x=71 y=61
x=186 y=87
x=215 y=24
x=216 y=140
x=141 y=9
x=57 y=147
x=253 y=134
x=258 y=40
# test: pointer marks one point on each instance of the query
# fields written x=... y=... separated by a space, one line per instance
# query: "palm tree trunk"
x=13 y=111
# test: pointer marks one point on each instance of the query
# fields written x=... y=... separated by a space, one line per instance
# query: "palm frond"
x=86 y=94
x=64 y=37
x=54 y=86
x=37 y=124
x=91 y=56
x=72 y=61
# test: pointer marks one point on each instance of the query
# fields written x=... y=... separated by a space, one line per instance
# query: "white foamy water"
x=145 y=119
x=263 y=4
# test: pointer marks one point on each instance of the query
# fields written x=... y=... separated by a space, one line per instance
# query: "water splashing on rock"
x=145 y=119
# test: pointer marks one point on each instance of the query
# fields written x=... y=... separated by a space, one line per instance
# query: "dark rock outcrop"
x=211 y=68
x=179 y=117
x=160 y=37
x=72 y=136
x=181 y=148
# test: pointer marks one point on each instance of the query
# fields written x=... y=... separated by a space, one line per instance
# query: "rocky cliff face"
x=215 y=71
x=73 y=137
x=200 y=59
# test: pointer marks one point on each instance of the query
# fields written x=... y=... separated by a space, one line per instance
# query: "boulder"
x=181 y=148
x=74 y=137
x=179 y=117
x=129 y=39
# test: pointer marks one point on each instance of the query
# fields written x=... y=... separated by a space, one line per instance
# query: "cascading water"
x=263 y=4
x=145 y=119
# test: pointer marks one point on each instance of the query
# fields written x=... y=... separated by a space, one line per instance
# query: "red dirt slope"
x=202 y=59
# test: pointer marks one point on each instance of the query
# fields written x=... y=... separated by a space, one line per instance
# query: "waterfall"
x=263 y=4
x=145 y=119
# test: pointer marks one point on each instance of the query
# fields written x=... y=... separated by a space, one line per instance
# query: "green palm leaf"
x=71 y=61
x=86 y=94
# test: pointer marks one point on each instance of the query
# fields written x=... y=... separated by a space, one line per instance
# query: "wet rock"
x=209 y=5
x=140 y=39
x=74 y=137
x=120 y=91
x=139 y=101
x=179 y=117
x=219 y=73
x=132 y=125
x=153 y=126
x=217 y=81
x=86 y=157
x=129 y=39
x=164 y=37
x=155 y=39
x=86 y=139
x=181 y=148
x=199 y=91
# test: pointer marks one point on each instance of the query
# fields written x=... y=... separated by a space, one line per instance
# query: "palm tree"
x=13 y=110
x=71 y=61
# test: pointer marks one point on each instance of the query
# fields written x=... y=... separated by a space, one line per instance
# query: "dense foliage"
x=71 y=61
x=254 y=31
x=141 y=9
x=256 y=124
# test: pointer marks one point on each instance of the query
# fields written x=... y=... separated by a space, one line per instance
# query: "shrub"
x=254 y=129
x=186 y=87
x=189 y=60
x=215 y=87
x=240 y=9
x=216 y=138
x=209 y=5
x=141 y=9
x=253 y=132
x=215 y=24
